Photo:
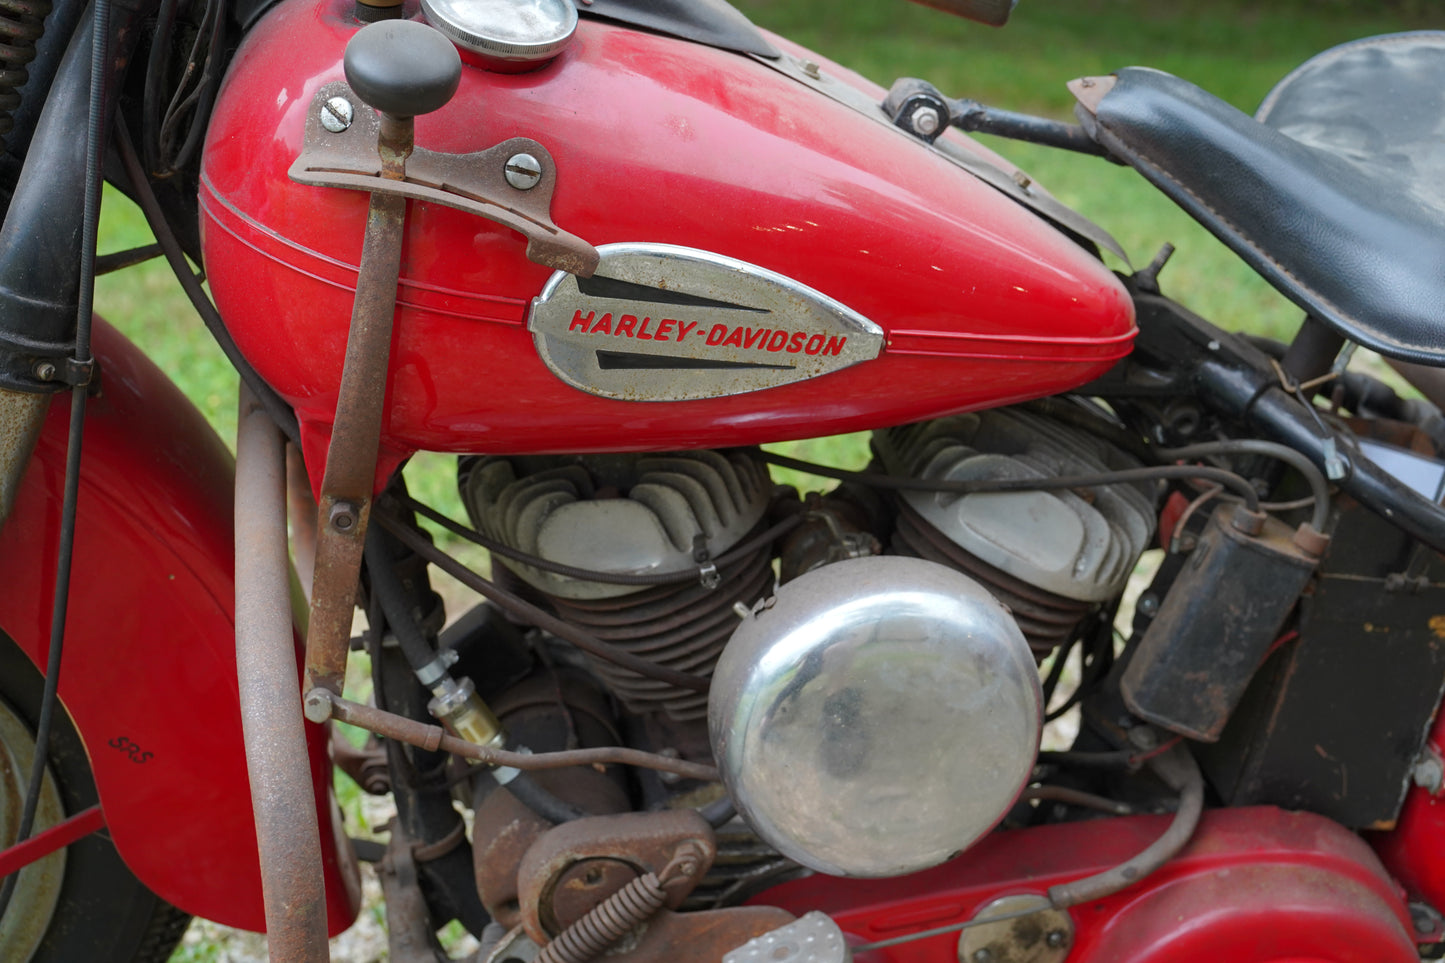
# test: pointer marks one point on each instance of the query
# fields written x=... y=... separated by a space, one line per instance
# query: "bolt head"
x=812 y=69
x=523 y=171
x=1056 y=939
x=45 y=371
x=343 y=516
x=925 y=120
x=984 y=955
x=317 y=706
x=336 y=114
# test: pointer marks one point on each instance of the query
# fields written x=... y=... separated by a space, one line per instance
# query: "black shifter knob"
x=402 y=68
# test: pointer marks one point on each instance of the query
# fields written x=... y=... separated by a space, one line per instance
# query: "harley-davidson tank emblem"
x=664 y=323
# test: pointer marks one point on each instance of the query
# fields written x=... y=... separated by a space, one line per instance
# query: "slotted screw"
x=336 y=114
x=523 y=171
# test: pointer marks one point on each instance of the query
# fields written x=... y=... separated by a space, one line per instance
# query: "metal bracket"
x=918 y=107
x=1044 y=936
x=554 y=888
x=476 y=183
x=67 y=371
x=409 y=930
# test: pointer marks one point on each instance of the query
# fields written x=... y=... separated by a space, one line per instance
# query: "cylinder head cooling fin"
x=632 y=515
x=1048 y=555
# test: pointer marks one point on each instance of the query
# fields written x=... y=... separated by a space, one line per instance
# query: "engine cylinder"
x=635 y=515
x=1045 y=618
x=1050 y=556
x=680 y=626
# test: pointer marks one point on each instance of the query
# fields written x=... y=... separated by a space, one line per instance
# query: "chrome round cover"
x=878 y=718
x=512 y=31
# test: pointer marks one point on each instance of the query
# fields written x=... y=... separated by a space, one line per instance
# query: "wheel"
x=80 y=903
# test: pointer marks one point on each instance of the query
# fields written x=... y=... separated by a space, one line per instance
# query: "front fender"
x=149 y=668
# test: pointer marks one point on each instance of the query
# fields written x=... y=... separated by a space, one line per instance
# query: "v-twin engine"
x=671 y=556
x=1049 y=556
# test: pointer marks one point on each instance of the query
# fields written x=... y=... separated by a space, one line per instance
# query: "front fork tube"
x=282 y=794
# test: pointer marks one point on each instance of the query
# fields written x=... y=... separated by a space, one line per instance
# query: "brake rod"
x=432 y=738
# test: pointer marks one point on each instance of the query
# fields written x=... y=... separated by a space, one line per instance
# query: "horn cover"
x=878 y=718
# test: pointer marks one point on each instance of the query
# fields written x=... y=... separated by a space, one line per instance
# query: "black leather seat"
x=1335 y=193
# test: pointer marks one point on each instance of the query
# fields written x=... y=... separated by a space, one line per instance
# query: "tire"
x=97 y=910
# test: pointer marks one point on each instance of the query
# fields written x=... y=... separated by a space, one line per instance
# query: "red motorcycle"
x=697 y=714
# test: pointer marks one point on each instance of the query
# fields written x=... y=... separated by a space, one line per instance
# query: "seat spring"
x=21 y=24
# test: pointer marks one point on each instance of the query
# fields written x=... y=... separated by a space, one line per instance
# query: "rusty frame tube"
x=301 y=510
x=431 y=738
x=282 y=794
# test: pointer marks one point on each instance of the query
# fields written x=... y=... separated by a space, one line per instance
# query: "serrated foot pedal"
x=813 y=939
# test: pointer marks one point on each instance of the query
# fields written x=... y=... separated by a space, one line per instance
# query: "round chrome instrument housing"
x=878 y=718
x=506 y=34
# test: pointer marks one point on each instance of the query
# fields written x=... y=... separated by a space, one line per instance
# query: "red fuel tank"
x=775 y=264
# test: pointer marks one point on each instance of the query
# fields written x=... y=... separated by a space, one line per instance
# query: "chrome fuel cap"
x=506 y=34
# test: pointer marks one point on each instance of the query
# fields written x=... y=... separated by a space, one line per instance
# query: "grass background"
x=1236 y=49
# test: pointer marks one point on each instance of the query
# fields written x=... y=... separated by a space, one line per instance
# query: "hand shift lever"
x=402 y=69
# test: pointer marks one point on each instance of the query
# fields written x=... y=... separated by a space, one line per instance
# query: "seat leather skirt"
x=1335 y=193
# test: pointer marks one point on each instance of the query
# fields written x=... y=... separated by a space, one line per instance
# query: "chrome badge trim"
x=664 y=323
